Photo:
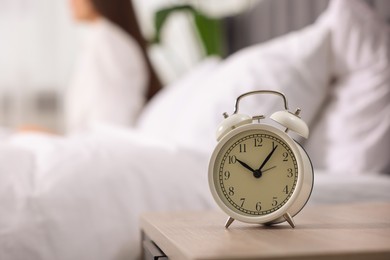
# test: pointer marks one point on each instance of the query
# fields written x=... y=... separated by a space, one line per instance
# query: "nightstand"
x=342 y=231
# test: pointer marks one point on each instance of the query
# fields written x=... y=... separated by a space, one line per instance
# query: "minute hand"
x=267 y=158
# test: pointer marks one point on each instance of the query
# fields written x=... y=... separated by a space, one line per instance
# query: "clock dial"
x=255 y=172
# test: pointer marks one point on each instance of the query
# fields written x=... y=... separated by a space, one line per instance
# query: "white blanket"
x=81 y=198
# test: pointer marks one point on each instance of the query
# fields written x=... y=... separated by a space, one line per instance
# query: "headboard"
x=272 y=18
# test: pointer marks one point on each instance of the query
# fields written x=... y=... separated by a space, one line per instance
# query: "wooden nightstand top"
x=358 y=231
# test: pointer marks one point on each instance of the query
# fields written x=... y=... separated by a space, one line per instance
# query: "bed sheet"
x=333 y=187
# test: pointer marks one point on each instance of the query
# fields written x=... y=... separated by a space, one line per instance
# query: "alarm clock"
x=258 y=173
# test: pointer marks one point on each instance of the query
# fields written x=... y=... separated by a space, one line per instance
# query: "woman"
x=114 y=76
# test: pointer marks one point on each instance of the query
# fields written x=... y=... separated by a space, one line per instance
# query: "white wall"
x=38 y=44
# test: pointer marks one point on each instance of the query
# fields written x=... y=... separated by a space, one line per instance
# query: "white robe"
x=109 y=83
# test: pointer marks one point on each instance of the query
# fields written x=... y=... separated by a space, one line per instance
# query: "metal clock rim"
x=277 y=213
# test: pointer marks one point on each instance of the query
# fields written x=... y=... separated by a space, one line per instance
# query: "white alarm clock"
x=257 y=172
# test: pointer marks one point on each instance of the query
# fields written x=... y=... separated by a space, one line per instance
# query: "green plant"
x=209 y=29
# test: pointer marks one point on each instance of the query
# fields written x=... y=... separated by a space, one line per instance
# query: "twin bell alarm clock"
x=257 y=172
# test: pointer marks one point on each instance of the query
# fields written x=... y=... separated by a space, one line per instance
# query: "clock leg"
x=229 y=222
x=289 y=219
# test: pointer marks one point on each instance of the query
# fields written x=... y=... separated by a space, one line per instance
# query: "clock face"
x=255 y=172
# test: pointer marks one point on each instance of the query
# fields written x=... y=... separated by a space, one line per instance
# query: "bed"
x=80 y=197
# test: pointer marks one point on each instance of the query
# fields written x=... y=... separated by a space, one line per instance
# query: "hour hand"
x=245 y=165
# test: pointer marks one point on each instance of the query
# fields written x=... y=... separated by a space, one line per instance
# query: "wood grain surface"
x=341 y=231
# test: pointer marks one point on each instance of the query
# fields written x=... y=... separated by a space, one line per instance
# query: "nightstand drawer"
x=152 y=252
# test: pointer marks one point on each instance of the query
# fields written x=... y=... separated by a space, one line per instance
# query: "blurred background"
x=40 y=42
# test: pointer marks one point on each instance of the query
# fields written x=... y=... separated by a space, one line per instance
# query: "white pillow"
x=353 y=135
x=296 y=64
x=163 y=109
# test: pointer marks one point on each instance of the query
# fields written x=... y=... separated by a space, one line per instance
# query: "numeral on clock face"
x=256 y=172
x=258 y=141
x=242 y=148
x=258 y=206
x=285 y=157
x=226 y=175
x=242 y=201
x=232 y=159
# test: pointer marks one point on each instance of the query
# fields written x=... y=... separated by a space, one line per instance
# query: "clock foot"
x=229 y=222
x=289 y=219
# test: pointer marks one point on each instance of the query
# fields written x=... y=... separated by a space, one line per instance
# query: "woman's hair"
x=121 y=12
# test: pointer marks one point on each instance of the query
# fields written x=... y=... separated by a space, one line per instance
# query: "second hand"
x=268 y=169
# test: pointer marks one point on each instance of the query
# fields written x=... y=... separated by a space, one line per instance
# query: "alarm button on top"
x=230 y=123
x=292 y=122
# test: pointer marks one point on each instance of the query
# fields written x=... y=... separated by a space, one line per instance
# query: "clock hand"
x=268 y=169
x=245 y=165
x=258 y=173
x=267 y=158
